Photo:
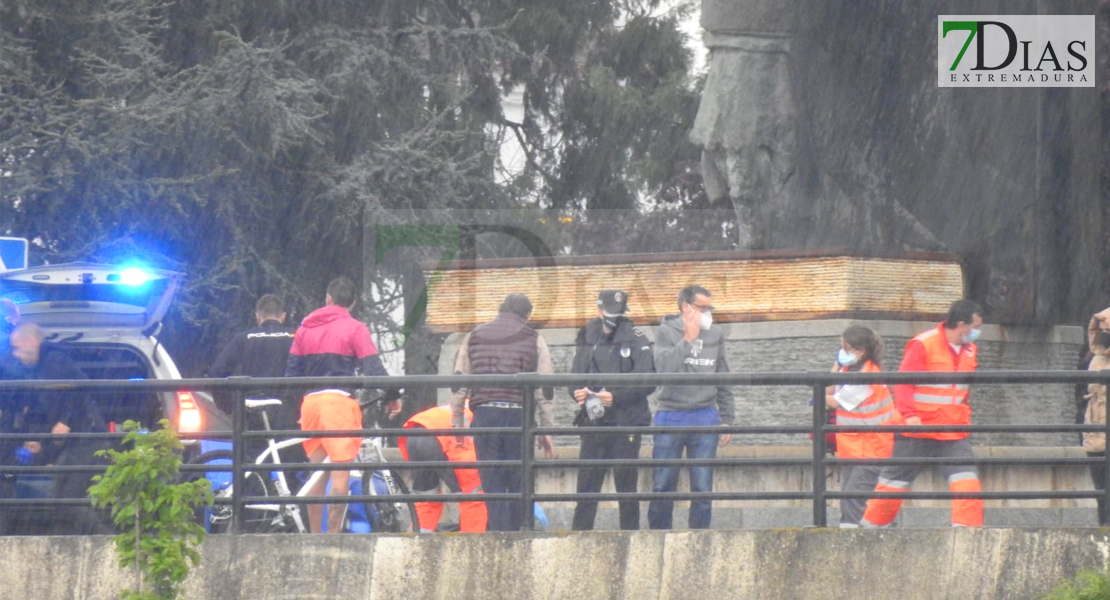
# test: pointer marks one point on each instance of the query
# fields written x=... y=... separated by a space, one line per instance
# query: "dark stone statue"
x=823 y=123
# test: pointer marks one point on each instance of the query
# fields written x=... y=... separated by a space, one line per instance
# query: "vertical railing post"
x=1105 y=464
x=820 y=419
x=238 y=456
x=527 y=457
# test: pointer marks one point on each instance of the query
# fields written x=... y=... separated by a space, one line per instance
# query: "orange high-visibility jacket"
x=944 y=404
x=437 y=417
x=878 y=409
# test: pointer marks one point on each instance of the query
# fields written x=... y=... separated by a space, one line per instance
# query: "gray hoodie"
x=673 y=354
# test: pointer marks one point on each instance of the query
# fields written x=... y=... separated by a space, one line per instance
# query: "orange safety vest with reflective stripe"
x=944 y=404
x=437 y=417
x=877 y=409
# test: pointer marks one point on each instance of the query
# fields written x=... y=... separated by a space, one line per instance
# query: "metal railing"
x=238 y=387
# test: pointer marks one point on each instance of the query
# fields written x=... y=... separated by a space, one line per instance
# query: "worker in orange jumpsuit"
x=860 y=405
x=472 y=514
x=948 y=347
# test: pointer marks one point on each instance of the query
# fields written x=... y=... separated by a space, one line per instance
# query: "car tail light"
x=188 y=414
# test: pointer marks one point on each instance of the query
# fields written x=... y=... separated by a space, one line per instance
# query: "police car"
x=107 y=319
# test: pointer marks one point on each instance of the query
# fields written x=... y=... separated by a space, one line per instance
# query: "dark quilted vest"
x=504 y=346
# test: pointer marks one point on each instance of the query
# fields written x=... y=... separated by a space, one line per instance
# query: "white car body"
x=106 y=318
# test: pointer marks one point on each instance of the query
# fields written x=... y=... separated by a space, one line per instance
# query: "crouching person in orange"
x=860 y=405
x=472 y=514
x=949 y=347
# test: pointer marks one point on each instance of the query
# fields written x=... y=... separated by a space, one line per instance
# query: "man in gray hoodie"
x=689 y=343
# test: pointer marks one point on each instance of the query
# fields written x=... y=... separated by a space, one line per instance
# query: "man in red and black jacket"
x=332 y=343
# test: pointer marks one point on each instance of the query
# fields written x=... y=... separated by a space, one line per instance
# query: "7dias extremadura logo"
x=1016 y=51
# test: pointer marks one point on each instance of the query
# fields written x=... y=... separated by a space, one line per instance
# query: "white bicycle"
x=278 y=517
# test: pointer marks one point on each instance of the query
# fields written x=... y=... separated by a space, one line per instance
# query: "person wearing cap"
x=609 y=343
x=689 y=343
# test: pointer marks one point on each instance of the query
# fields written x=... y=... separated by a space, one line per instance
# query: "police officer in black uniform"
x=260 y=352
x=610 y=344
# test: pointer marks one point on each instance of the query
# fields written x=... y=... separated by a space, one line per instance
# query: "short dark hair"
x=518 y=304
x=689 y=293
x=342 y=292
x=962 y=310
x=269 y=305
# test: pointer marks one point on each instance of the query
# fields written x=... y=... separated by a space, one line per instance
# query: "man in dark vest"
x=504 y=346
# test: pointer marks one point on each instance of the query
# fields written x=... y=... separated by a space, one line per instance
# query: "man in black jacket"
x=61 y=412
x=259 y=352
x=610 y=344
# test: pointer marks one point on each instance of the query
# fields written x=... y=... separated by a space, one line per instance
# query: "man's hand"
x=459 y=422
x=913 y=420
x=395 y=408
x=725 y=438
x=691 y=323
x=605 y=397
x=544 y=441
x=580 y=395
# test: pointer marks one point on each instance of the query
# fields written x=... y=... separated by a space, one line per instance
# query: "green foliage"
x=1088 y=585
x=252 y=144
x=158 y=534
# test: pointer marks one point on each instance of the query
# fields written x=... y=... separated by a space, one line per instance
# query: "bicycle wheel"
x=389 y=517
x=257 y=519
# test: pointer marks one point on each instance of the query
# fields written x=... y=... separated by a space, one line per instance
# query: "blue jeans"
x=696 y=445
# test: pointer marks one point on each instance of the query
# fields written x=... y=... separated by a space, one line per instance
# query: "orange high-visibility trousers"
x=880 y=512
x=967 y=513
x=472 y=515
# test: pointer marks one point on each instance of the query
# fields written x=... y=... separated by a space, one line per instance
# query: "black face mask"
x=611 y=323
x=1103 y=339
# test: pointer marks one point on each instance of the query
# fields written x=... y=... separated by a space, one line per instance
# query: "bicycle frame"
x=371 y=450
x=281 y=482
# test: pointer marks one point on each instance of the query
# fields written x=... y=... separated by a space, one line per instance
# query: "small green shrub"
x=158 y=535
x=1088 y=585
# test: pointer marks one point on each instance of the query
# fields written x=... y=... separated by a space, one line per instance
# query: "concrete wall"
x=784 y=564
x=812 y=346
x=799 y=513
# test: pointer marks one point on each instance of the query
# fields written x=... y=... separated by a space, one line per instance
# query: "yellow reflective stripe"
x=885 y=404
x=885 y=407
x=902 y=486
x=936 y=399
x=852 y=420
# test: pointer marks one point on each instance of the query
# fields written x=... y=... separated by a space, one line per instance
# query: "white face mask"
x=706 y=320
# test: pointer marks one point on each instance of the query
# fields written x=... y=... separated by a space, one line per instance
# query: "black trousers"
x=1098 y=477
x=602 y=446
x=503 y=516
x=427 y=449
x=80 y=519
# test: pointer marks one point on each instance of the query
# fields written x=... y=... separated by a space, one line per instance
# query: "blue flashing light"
x=17 y=297
x=134 y=276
